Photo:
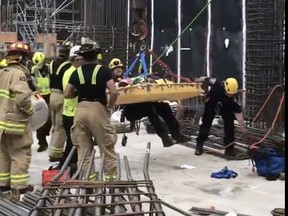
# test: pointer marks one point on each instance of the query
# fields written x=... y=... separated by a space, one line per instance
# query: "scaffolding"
x=32 y=17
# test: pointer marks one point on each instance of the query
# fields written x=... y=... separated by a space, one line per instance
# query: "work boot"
x=4 y=188
x=54 y=159
x=230 y=152
x=167 y=141
x=199 y=149
x=182 y=138
x=43 y=145
x=26 y=189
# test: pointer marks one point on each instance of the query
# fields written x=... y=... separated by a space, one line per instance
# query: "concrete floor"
x=185 y=188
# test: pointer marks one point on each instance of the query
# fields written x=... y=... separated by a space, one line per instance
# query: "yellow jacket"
x=15 y=100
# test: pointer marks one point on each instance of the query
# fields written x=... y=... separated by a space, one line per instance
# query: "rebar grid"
x=265 y=51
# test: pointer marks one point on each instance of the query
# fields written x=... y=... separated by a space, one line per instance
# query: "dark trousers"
x=44 y=131
x=207 y=119
x=153 y=110
x=67 y=124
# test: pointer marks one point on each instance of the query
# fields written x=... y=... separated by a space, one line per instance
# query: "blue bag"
x=270 y=162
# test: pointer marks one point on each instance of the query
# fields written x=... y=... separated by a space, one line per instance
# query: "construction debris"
x=78 y=196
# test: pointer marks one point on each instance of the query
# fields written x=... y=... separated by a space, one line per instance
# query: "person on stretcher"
x=152 y=110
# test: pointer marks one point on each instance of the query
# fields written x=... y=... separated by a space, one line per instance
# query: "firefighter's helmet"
x=19 y=47
x=73 y=50
x=115 y=62
x=231 y=86
x=38 y=58
x=88 y=48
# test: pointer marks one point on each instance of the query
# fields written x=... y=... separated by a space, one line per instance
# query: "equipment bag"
x=269 y=162
x=48 y=175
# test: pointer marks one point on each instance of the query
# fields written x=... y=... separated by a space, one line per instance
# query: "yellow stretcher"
x=152 y=92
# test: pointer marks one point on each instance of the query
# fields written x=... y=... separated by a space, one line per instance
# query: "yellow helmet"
x=231 y=85
x=38 y=58
x=115 y=62
x=3 y=63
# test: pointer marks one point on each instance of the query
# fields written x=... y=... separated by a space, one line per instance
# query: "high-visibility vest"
x=42 y=82
x=70 y=105
x=94 y=75
x=59 y=68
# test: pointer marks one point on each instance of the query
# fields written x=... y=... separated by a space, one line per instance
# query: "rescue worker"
x=69 y=107
x=92 y=118
x=58 y=136
x=152 y=110
x=220 y=100
x=40 y=72
x=15 y=133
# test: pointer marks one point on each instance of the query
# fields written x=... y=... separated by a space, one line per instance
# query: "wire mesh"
x=265 y=64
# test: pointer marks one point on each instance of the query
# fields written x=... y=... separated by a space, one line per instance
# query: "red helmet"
x=19 y=46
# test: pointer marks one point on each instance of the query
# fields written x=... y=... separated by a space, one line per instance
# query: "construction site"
x=183 y=39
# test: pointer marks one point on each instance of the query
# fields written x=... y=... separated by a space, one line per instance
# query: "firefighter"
x=220 y=100
x=15 y=133
x=69 y=107
x=152 y=110
x=57 y=68
x=40 y=72
x=92 y=117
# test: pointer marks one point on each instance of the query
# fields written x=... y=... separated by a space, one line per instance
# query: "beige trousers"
x=58 y=135
x=92 y=121
x=15 y=158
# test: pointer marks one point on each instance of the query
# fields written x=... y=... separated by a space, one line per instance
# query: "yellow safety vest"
x=70 y=105
x=42 y=83
x=94 y=75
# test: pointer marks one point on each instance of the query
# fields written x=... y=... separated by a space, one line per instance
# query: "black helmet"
x=91 y=47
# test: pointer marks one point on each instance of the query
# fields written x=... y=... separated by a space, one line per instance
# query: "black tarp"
x=224 y=62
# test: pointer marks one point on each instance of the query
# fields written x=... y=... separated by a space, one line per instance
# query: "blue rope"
x=128 y=72
x=142 y=58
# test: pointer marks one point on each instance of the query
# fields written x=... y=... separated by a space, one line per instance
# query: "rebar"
x=78 y=196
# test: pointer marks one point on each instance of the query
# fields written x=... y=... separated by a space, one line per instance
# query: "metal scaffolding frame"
x=30 y=17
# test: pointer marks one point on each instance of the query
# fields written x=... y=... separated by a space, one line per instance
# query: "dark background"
x=224 y=62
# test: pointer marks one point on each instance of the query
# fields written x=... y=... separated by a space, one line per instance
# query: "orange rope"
x=252 y=146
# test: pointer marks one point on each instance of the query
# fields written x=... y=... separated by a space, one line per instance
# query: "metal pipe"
x=179 y=18
x=128 y=33
x=137 y=208
x=152 y=32
x=150 y=189
x=244 y=29
x=208 y=72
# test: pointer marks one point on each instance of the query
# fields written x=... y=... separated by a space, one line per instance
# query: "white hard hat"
x=40 y=112
x=73 y=50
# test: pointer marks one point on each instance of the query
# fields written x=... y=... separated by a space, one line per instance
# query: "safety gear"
x=19 y=46
x=15 y=135
x=91 y=47
x=42 y=82
x=3 y=63
x=58 y=135
x=38 y=58
x=231 y=85
x=13 y=122
x=68 y=44
x=99 y=57
x=40 y=112
x=73 y=50
x=70 y=105
x=115 y=62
